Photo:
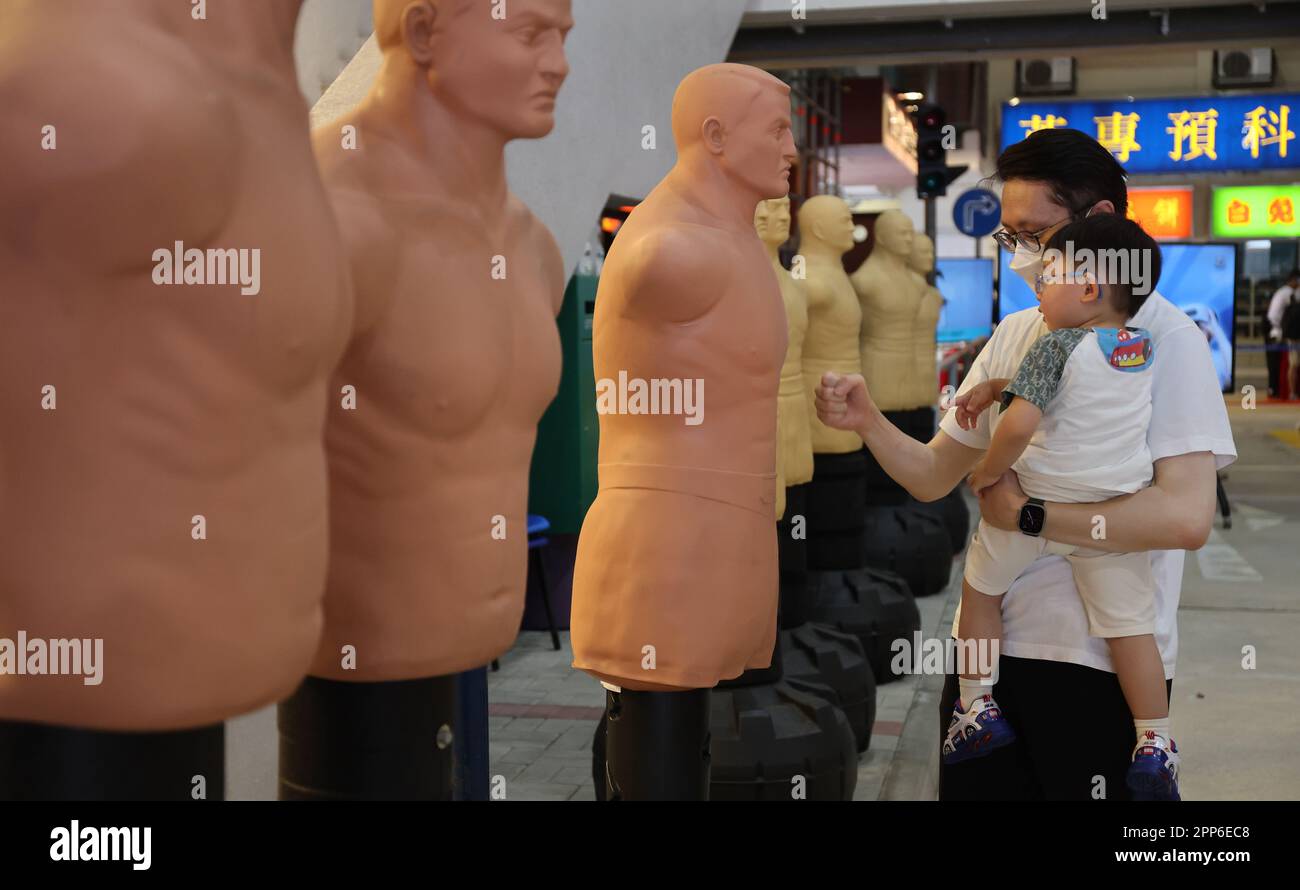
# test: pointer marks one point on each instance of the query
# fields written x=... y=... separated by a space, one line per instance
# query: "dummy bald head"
x=388 y=16
x=725 y=91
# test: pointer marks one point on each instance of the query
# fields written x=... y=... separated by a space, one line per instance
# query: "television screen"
x=967 y=289
x=1198 y=278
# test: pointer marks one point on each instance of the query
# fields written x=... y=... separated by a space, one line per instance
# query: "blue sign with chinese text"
x=1185 y=135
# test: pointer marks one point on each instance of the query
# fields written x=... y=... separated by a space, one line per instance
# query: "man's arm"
x=928 y=470
x=1176 y=512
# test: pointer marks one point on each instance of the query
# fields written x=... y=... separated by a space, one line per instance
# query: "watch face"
x=1032 y=517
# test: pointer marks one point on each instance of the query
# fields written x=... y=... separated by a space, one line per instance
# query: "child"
x=1074 y=423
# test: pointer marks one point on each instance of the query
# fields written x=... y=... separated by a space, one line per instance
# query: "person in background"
x=1282 y=298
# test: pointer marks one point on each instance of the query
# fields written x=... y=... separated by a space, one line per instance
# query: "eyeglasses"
x=1028 y=240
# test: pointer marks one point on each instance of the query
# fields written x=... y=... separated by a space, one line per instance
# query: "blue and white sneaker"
x=1153 y=775
x=977 y=731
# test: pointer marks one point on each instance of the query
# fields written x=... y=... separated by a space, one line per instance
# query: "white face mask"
x=1027 y=264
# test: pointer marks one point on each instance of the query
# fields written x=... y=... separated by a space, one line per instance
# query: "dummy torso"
x=454 y=357
x=924 y=383
x=890 y=299
x=794 y=460
x=834 y=317
x=675 y=584
x=173 y=401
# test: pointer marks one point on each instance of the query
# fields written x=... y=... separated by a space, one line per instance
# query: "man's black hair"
x=1107 y=231
x=1293 y=275
x=1074 y=166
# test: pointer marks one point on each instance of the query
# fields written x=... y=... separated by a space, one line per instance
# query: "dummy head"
x=772 y=221
x=827 y=220
x=922 y=256
x=894 y=234
x=501 y=71
x=737 y=117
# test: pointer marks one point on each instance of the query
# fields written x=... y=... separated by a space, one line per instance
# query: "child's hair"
x=1109 y=232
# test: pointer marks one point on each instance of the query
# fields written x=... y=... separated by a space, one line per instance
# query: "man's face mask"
x=1028 y=264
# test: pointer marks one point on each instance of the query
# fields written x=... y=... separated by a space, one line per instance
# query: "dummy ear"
x=419 y=21
x=713 y=136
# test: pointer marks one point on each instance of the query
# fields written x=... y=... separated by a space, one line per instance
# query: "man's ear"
x=1106 y=206
x=419 y=28
x=713 y=135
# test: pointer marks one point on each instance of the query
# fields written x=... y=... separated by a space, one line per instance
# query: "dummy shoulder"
x=680 y=271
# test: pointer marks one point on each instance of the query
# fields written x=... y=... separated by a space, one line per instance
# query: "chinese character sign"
x=1256 y=211
x=1192 y=135
x=1163 y=212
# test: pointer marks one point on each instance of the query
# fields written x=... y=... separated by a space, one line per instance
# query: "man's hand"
x=976 y=400
x=1000 y=503
x=843 y=403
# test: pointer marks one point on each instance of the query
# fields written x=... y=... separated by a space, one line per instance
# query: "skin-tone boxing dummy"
x=675 y=584
x=834 y=317
x=890 y=298
x=794 y=456
x=162 y=477
x=454 y=357
x=925 y=375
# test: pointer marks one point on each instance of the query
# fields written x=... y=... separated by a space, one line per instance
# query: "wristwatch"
x=1033 y=515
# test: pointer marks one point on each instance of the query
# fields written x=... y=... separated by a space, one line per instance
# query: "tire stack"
x=815 y=654
x=843 y=591
x=901 y=535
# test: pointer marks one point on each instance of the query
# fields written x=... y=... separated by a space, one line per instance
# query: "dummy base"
x=60 y=763
x=655 y=746
x=368 y=741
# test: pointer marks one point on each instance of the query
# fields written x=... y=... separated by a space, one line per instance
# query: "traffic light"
x=932 y=171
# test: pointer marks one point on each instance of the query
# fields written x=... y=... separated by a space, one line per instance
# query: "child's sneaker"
x=975 y=732
x=1153 y=775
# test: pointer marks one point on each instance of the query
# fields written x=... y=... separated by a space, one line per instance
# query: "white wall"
x=329 y=34
x=627 y=57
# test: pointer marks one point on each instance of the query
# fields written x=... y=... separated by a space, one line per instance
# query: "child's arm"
x=1014 y=430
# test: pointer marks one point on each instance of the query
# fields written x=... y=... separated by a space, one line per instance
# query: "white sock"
x=1158 y=725
x=971 y=690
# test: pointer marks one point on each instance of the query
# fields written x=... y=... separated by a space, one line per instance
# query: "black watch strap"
x=1033 y=515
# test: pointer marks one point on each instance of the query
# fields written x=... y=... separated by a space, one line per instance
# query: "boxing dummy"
x=173 y=305
x=454 y=356
x=675 y=583
x=889 y=294
x=924 y=381
x=836 y=497
x=794 y=460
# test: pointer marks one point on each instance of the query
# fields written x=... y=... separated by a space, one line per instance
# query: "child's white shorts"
x=1117 y=589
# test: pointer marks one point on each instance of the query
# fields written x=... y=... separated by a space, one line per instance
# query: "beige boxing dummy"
x=924 y=381
x=794 y=460
x=675 y=585
x=174 y=300
x=890 y=298
x=834 y=317
x=453 y=359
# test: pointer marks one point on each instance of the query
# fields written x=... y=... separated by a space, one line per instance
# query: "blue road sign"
x=977 y=213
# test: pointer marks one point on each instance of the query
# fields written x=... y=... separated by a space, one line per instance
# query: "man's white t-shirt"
x=1042 y=615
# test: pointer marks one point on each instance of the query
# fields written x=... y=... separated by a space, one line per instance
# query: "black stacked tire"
x=818 y=657
x=872 y=605
x=836 y=499
x=909 y=542
x=779 y=742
